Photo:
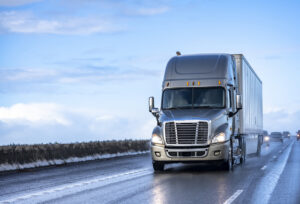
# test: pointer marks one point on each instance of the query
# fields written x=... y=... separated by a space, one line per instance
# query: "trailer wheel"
x=244 y=152
x=258 y=146
x=158 y=166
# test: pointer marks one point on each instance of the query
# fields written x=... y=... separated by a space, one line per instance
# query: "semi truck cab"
x=198 y=119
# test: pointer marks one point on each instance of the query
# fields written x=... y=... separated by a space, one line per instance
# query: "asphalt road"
x=272 y=178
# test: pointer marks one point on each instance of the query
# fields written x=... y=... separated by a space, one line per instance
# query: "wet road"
x=272 y=178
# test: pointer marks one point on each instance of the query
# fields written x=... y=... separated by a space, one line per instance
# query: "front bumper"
x=213 y=152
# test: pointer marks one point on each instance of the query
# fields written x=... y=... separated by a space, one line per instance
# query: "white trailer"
x=251 y=116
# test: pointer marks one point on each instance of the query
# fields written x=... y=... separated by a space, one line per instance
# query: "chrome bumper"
x=213 y=152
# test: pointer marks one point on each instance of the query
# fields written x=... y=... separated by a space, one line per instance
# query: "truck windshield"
x=208 y=97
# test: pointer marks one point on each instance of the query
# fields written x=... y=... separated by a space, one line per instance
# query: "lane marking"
x=267 y=184
x=264 y=167
x=233 y=197
x=143 y=171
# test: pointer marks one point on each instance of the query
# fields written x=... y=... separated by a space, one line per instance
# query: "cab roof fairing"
x=206 y=68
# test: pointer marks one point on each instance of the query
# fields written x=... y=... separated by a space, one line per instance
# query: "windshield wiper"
x=178 y=108
x=209 y=107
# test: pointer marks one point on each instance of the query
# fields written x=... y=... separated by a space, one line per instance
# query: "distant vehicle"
x=276 y=136
x=211 y=110
x=298 y=135
x=266 y=138
x=286 y=134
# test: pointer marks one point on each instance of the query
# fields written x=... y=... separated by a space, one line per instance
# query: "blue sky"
x=82 y=70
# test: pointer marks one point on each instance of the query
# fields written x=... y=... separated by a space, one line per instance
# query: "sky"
x=83 y=70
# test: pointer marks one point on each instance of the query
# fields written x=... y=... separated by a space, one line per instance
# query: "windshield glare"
x=211 y=97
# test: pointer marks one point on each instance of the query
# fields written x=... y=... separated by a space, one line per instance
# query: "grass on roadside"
x=21 y=154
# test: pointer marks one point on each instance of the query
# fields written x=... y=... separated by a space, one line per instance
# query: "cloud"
x=85 y=74
x=48 y=122
x=26 y=74
x=25 y=22
x=16 y=2
x=33 y=113
x=281 y=120
x=147 y=11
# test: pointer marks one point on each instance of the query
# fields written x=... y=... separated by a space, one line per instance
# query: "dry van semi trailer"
x=211 y=111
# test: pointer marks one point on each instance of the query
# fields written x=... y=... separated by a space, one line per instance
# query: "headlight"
x=267 y=138
x=221 y=137
x=156 y=139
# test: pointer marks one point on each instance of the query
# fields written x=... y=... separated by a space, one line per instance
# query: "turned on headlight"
x=156 y=139
x=220 y=137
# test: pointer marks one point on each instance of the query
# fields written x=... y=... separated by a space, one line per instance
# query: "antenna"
x=178 y=53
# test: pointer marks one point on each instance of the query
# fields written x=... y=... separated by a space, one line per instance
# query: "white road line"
x=264 y=167
x=75 y=184
x=266 y=186
x=233 y=197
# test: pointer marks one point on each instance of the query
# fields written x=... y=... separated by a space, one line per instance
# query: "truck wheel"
x=158 y=166
x=228 y=165
x=243 y=156
x=258 y=146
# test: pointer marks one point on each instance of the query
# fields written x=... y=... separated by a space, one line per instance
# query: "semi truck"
x=211 y=111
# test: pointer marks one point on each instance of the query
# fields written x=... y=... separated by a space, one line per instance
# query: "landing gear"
x=158 y=166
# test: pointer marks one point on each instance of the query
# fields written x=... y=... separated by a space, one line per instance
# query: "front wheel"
x=228 y=165
x=158 y=166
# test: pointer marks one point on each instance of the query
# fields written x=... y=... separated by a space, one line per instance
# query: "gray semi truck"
x=211 y=111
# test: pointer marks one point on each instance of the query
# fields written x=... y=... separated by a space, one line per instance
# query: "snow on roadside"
x=11 y=167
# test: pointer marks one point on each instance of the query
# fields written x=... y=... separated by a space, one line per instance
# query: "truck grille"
x=186 y=133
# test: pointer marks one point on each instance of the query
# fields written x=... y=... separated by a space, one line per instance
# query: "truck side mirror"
x=151 y=103
x=239 y=104
x=152 y=108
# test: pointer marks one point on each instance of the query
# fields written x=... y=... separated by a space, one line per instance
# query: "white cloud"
x=37 y=113
x=281 y=120
x=72 y=75
x=26 y=74
x=16 y=2
x=24 y=22
x=147 y=11
x=48 y=122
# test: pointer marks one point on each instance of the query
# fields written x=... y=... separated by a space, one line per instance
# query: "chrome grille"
x=186 y=133
x=170 y=133
x=202 y=133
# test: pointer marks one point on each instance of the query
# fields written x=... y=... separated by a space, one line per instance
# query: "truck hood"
x=192 y=114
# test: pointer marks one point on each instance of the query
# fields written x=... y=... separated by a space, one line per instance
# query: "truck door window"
x=229 y=99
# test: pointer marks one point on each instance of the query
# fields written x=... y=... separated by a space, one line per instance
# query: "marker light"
x=193 y=83
x=219 y=82
x=187 y=83
x=198 y=83
x=168 y=83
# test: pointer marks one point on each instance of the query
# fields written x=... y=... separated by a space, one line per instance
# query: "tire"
x=258 y=147
x=158 y=166
x=244 y=152
x=228 y=165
